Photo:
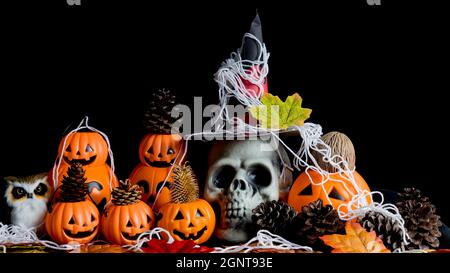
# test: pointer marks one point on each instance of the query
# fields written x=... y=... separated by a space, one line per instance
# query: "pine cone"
x=273 y=216
x=74 y=188
x=385 y=227
x=413 y=194
x=126 y=194
x=316 y=220
x=158 y=118
x=421 y=221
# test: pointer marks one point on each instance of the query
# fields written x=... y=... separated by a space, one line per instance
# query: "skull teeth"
x=235 y=213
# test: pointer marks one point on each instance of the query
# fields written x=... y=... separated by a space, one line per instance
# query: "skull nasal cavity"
x=239 y=184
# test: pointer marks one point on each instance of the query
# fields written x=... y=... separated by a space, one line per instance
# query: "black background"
x=375 y=73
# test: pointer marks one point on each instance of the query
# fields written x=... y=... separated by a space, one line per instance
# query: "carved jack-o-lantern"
x=187 y=217
x=90 y=150
x=159 y=150
x=73 y=219
x=127 y=216
x=338 y=190
x=194 y=220
x=151 y=180
x=87 y=148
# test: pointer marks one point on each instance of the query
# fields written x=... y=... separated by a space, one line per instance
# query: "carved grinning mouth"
x=81 y=161
x=129 y=237
x=159 y=164
x=79 y=235
x=191 y=236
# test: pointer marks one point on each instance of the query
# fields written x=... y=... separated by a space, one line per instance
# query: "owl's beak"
x=30 y=195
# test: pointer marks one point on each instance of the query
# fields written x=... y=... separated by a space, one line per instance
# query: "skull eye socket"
x=259 y=175
x=224 y=176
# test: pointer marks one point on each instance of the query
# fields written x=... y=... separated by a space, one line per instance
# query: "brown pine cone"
x=421 y=221
x=385 y=227
x=74 y=188
x=158 y=117
x=126 y=194
x=313 y=221
x=273 y=216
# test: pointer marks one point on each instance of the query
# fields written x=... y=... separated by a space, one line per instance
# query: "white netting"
x=12 y=234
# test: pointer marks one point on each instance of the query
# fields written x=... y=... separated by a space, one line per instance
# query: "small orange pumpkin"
x=303 y=192
x=338 y=189
x=127 y=216
x=159 y=150
x=186 y=216
x=73 y=219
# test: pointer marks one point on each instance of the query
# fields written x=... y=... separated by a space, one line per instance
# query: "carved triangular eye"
x=92 y=218
x=334 y=194
x=129 y=224
x=198 y=213
x=306 y=191
x=150 y=151
x=170 y=151
x=179 y=216
x=72 y=221
x=69 y=149
x=89 y=149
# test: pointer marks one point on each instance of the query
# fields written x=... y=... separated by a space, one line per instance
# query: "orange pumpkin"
x=159 y=150
x=303 y=192
x=187 y=217
x=194 y=220
x=91 y=150
x=127 y=216
x=151 y=179
x=73 y=219
x=73 y=222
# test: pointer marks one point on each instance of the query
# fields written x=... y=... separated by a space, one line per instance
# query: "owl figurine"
x=26 y=200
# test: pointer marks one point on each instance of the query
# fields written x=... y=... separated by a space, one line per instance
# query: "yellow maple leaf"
x=276 y=114
x=356 y=240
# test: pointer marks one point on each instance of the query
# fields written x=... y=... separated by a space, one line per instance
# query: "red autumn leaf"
x=187 y=246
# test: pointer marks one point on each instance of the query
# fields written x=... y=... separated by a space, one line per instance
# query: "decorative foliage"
x=276 y=114
x=356 y=240
x=187 y=246
x=185 y=186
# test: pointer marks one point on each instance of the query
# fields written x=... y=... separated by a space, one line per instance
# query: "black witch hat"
x=250 y=49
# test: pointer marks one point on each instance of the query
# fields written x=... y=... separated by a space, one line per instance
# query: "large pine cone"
x=421 y=221
x=385 y=227
x=74 y=188
x=158 y=118
x=126 y=194
x=274 y=216
x=316 y=220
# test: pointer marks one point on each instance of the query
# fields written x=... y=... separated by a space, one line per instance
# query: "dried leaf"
x=187 y=246
x=356 y=240
x=276 y=114
x=105 y=248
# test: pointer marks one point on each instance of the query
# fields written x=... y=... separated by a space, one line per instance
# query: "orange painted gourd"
x=126 y=217
x=159 y=150
x=338 y=192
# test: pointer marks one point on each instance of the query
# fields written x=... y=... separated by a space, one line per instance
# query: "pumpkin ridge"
x=184 y=186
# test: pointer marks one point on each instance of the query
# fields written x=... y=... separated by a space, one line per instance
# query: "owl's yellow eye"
x=18 y=192
x=41 y=189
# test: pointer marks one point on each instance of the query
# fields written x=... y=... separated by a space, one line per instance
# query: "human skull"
x=241 y=175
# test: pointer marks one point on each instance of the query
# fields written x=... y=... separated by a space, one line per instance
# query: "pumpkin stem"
x=126 y=193
x=74 y=188
x=185 y=185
